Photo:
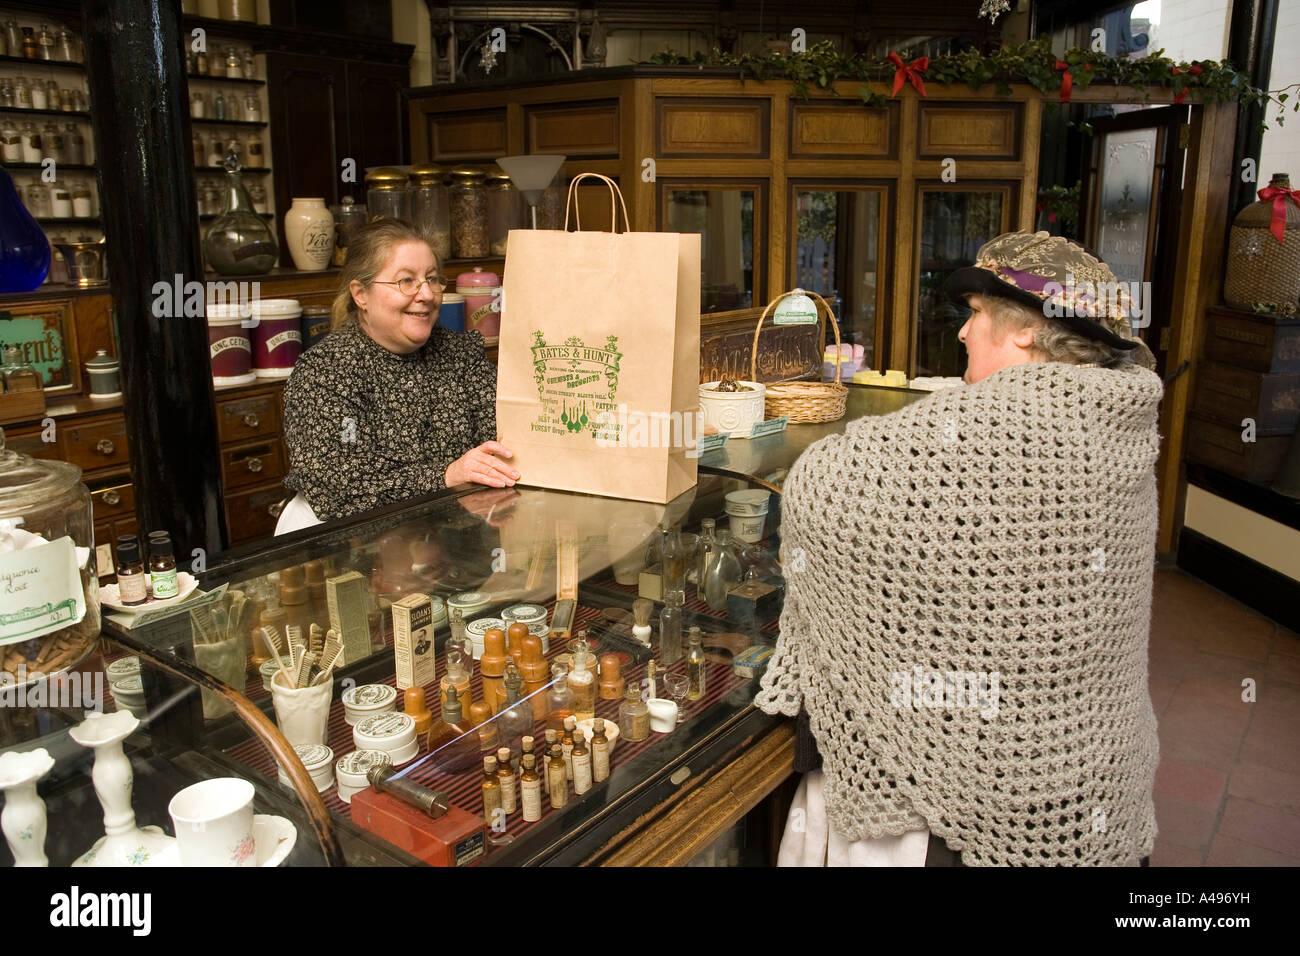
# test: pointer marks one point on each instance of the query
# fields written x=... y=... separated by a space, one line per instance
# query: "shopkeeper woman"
x=390 y=406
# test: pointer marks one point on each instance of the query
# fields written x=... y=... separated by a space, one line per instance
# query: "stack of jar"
x=226 y=106
x=40 y=43
x=20 y=93
x=230 y=64
x=29 y=145
x=59 y=200
x=211 y=151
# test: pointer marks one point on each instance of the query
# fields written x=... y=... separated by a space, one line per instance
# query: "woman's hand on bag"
x=482 y=466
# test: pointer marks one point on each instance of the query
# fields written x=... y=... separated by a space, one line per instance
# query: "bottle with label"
x=634 y=715
x=61 y=201
x=254 y=155
x=45 y=43
x=722 y=574
x=506 y=777
x=581 y=759
x=40 y=98
x=201 y=63
x=491 y=787
x=11 y=142
x=697 y=668
x=252 y=109
x=670 y=631
x=130 y=571
x=234 y=65
x=6 y=93
x=250 y=66
x=559 y=699
x=672 y=555
x=52 y=146
x=22 y=94
x=582 y=682
x=552 y=739
x=530 y=788
x=457 y=676
x=566 y=745
x=31 y=143
x=17 y=374
x=37 y=198
x=599 y=751
x=557 y=782
x=162 y=566
x=74 y=145
x=219 y=108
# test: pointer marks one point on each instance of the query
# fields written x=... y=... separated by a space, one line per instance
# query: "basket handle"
x=830 y=316
x=614 y=191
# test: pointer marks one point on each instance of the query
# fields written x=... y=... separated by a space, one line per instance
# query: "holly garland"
x=1034 y=62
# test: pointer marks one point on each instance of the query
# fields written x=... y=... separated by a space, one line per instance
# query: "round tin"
x=477 y=628
x=319 y=761
x=128 y=694
x=393 y=733
x=122 y=667
x=351 y=770
x=469 y=602
x=267 y=672
x=367 y=701
x=542 y=630
x=277 y=337
x=439 y=611
x=451 y=314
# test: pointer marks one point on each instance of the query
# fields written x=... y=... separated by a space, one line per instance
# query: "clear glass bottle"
x=11 y=142
x=457 y=676
x=581 y=758
x=670 y=631
x=581 y=681
x=219 y=107
x=250 y=65
x=633 y=715
x=198 y=106
x=14 y=36
x=697 y=668
x=469 y=235
x=17 y=374
x=83 y=201
x=258 y=193
x=74 y=145
x=516 y=718
x=505 y=211
x=254 y=155
x=52 y=144
x=216 y=149
x=40 y=96
x=559 y=699
x=387 y=195
x=234 y=65
x=703 y=550
x=672 y=557
x=22 y=94
x=6 y=93
x=45 y=43
x=430 y=207
x=723 y=572
x=37 y=198
x=530 y=789
x=66 y=49
x=252 y=108
x=239 y=242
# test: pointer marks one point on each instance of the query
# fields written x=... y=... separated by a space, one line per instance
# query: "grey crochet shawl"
x=968 y=599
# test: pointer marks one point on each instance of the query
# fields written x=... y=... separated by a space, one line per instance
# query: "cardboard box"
x=413 y=641
x=346 y=598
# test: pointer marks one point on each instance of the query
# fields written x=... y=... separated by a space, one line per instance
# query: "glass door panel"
x=729 y=230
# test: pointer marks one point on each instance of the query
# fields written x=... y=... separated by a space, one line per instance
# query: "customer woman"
x=389 y=405
x=969 y=592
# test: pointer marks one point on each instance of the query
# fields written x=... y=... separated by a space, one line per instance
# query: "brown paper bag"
x=598 y=365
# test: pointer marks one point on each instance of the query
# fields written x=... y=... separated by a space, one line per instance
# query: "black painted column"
x=1251 y=32
x=135 y=63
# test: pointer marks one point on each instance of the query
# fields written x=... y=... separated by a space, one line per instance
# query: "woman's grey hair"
x=1056 y=342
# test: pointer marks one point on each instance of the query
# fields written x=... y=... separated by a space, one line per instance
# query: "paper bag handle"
x=614 y=191
x=830 y=319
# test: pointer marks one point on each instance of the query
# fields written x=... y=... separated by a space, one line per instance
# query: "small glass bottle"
x=697 y=668
x=219 y=108
x=672 y=556
x=457 y=676
x=252 y=108
x=254 y=155
x=516 y=718
x=250 y=66
x=634 y=715
x=201 y=63
x=22 y=94
x=599 y=751
x=234 y=65
x=52 y=145
x=530 y=788
x=45 y=44
x=722 y=574
x=66 y=48
x=582 y=682
x=130 y=571
x=40 y=96
x=74 y=145
x=552 y=740
x=704 y=550
x=37 y=198
x=557 y=782
x=216 y=64
x=506 y=777
x=17 y=374
x=670 y=630
x=14 y=37
x=491 y=787
x=581 y=759
x=31 y=143
x=559 y=699
x=11 y=142
x=198 y=106
x=29 y=44
x=6 y=93
x=566 y=745
x=162 y=566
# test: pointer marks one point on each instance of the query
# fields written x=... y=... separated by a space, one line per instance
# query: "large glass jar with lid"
x=47 y=540
x=430 y=209
x=505 y=211
x=239 y=241
x=469 y=232
x=387 y=195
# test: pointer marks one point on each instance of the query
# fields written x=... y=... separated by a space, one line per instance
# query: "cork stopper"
x=529 y=761
x=490 y=764
x=598 y=727
x=528 y=744
x=570 y=724
x=551 y=736
x=503 y=757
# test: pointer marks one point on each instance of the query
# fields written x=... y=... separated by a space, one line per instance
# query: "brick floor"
x=1225 y=684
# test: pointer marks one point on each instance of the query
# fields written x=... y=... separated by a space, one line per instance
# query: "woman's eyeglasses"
x=410 y=286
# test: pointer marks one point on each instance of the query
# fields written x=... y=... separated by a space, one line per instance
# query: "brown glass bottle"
x=162 y=566
x=552 y=738
x=491 y=787
x=530 y=788
x=581 y=760
x=559 y=783
x=130 y=571
x=599 y=751
x=566 y=745
x=506 y=777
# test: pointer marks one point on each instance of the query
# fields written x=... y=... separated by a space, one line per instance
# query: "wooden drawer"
x=253 y=513
x=96 y=446
x=1265 y=343
x=840 y=131
x=981 y=130
x=1227 y=394
x=252 y=464
x=1221 y=447
x=114 y=501
x=31 y=442
x=468 y=136
x=722 y=128
x=239 y=419
x=574 y=129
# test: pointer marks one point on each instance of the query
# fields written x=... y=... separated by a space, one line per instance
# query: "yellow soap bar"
x=891 y=379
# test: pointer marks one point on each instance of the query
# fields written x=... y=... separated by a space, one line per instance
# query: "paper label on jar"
x=795 y=310
x=229 y=342
x=600 y=760
x=40 y=591
x=532 y=799
x=582 y=773
x=280 y=338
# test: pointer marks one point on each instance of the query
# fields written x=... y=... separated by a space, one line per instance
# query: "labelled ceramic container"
x=128 y=694
x=319 y=761
x=451 y=314
x=469 y=602
x=309 y=232
x=438 y=612
x=732 y=413
x=122 y=667
x=367 y=701
x=482 y=301
x=350 y=771
x=534 y=616
x=476 y=628
x=315 y=324
x=277 y=337
x=747 y=512
x=104 y=372
x=393 y=733
x=229 y=347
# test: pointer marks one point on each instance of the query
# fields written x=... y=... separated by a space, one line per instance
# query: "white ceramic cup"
x=663 y=715
x=302 y=713
x=214 y=823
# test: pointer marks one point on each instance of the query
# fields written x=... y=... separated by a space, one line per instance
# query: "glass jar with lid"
x=252 y=108
x=74 y=145
x=430 y=207
x=37 y=198
x=254 y=155
x=83 y=203
x=234 y=65
x=45 y=44
x=13 y=37
x=66 y=48
x=22 y=94
x=52 y=143
x=387 y=194
x=40 y=96
x=31 y=143
x=11 y=142
x=47 y=538
x=6 y=93
x=348 y=218
x=469 y=235
x=505 y=211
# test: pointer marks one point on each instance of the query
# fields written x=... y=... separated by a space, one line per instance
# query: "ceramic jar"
x=229 y=346
x=482 y=301
x=309 y=230
x=277 y=337
x=319 y=761
x=732 y=413
x=367 y=701
x=351 y=770
x=393 y=733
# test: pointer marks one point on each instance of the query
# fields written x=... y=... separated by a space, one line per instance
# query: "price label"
x=769 y=427
x=40 y=590
x=795 y=310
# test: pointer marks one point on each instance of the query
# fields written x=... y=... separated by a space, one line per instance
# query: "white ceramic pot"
x=366 y=701
x=351 y=770
x=393 y=733
x=663 y=715
x=319 y=761
x=214 y=823
x=301 y=712
x=732 y=413
x=309 y=229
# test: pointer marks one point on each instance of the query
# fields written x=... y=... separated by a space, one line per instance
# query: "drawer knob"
x=254 y=464
x=105 y=446
x=275 y=509
x=251 y=420
x=112 y=497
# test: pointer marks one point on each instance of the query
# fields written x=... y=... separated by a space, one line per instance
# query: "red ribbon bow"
x=1278 y=196
x=909 y=71
x=1194 y=69
x=1067 y=81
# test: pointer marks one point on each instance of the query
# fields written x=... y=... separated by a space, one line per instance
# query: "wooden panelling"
x=735 y=128
x=843 y=130
x=784 y=351
x=94 y=446
x=574 y=129
x=984 y=130
x=464 y=136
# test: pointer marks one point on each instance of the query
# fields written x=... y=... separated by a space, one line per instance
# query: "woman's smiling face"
x=400 y=323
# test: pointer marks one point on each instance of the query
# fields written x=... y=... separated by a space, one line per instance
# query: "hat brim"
x=972 y=280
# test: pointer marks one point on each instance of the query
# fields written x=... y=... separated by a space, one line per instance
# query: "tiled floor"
x=1228 y=788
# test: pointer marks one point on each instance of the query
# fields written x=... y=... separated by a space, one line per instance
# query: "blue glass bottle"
x=24 y=250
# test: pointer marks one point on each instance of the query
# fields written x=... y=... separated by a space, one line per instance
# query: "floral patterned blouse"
x=367 y=427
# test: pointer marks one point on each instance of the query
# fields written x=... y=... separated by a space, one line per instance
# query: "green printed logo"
x=577 y=385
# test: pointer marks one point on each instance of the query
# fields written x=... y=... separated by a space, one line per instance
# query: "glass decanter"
x=239 y=241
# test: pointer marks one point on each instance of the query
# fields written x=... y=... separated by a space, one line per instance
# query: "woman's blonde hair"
x=1056 y=342
x=368 y=251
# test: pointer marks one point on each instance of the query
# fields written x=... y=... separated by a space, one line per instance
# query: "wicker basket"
x=803 y=402
x=1262 y=271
